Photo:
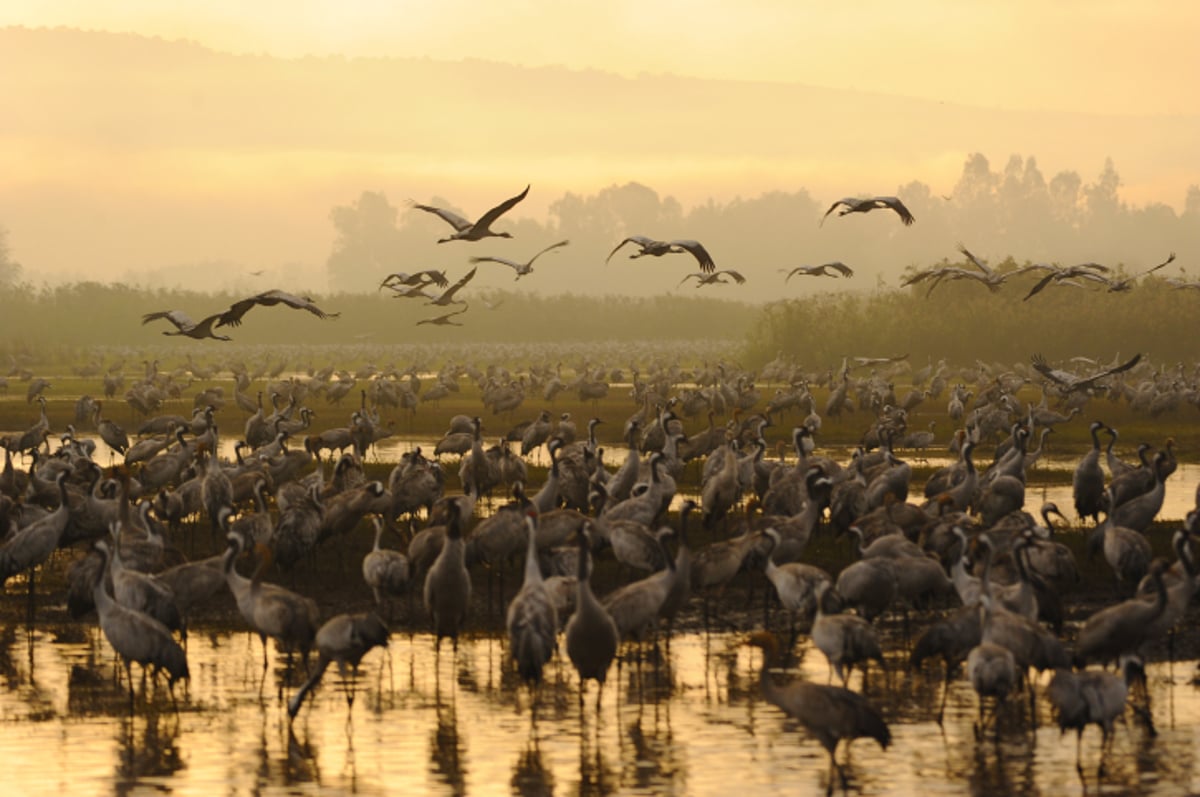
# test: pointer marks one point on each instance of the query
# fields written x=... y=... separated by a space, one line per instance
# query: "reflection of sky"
x=699 y=726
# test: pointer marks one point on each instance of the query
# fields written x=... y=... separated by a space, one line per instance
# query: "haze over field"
x=142 y=157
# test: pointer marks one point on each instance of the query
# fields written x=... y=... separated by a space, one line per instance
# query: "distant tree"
x=1191 y=205
x=1064 y=198
x=368 y=243
x=10 y=270
x=1103 y=202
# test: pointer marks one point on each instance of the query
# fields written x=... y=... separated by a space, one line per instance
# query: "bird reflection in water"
x=148 y=747
x=447 y=751
x=595 y=777
x=531 y=777
x=651 y=760
x=298 y=764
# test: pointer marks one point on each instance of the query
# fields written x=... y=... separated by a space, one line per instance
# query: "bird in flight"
x=521 y=268
x=473 y=231
x=1063 y=275
x=982 y=274
x=447 y=296
x=649 y=246
x=446 y=320
x=233 y=316
x=258 y=273
x=714 y=278
x=823 y=270
x=1070 y=382
x=853 y=205
x=418 y=278
x=184 y=325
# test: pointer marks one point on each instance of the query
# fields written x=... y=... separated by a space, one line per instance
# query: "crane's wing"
x=450 y=217
x=738 y=278
x=547 y=249
x=438 y=278
x=640 y=240
x=233 y=316
x=502 y=261
x=847 y=201
x=1166 y=262
x=1055 y=375
x=487 y=218
x=895 y=204
x=804 y=271
x=979 y=264
x=840 y=267
x=1125 y=366
x=920 y=276
x=699 y=252
x=399 y=278
x=204 y=328
x=180 y=319
x=1047 y=267
x=456 y=287
x=697 y=274
x=276 y=296
x=1092 y=266
x=1042 y=283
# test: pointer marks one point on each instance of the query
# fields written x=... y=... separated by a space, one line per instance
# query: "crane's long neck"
x=533 y=573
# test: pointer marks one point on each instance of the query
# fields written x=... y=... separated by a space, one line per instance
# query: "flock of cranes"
x=405 y=285
x=416 y=285
x=969 y=540
x=1077 y=276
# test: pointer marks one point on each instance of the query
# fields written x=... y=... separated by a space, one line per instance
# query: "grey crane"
x=447 y=590
x=345 y=639
x=233 y=316
x=465 y=230
x=654 y=248
x=830 y=713
x=715 y=278
x=1091 y=697
x=446 y=297
x=271 y=610
x=591 y=634
x=845 y=639
x=856 y=205
x=385 y=571
x=1070 y=382
x=992 y=671
x=1087 y=484
x=532 y=619
x=521 y=269
x=185 y=326
x=823 y=270
x=136 y=637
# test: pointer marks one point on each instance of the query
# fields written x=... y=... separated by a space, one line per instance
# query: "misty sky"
x=1108 y=56
x=224 y=179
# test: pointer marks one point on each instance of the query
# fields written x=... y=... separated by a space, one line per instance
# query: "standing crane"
x=345 y=639
x=532 y=619
x=830 y=713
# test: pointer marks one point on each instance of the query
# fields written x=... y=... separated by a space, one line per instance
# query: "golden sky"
x=191 y=158
x=1078 y=55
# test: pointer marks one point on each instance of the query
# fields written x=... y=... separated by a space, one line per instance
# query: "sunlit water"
x=695 y=724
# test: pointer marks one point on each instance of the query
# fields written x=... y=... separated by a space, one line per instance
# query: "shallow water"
x=696 y=724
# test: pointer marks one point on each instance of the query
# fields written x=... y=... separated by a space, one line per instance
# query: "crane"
x=654 y=248
x=465 y=230
x=855 y=205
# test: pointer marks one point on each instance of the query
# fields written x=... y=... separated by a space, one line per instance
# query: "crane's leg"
x=945 y=691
